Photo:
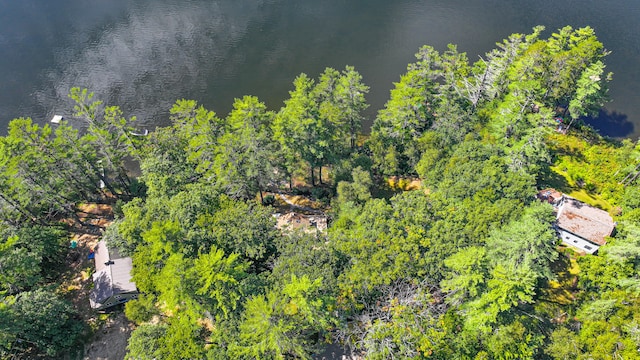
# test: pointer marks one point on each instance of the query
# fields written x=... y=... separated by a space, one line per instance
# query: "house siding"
x=115 y=300
x=577 y=242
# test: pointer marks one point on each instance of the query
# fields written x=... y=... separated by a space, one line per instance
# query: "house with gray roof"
x=112 y=279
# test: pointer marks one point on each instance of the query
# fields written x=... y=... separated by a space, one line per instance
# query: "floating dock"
x=145 y=132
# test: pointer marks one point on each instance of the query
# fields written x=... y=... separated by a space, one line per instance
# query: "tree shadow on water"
x=611 y=123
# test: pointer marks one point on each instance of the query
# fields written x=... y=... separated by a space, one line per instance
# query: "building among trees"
x=112 y=279
x=579 y=225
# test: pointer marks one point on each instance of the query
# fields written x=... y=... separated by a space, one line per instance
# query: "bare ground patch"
x=110 y=341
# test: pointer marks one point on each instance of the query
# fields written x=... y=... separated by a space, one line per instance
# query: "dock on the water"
x=56 y=119
x=145 y=132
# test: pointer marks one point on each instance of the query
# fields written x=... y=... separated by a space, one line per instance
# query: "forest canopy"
x=465 y=265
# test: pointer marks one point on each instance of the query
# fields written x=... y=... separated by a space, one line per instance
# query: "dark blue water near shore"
x=144 y=54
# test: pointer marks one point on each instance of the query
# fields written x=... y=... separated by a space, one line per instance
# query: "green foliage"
x=144 y=343
x=245 y=156
x=20 y=270
x=180 y=339
x=320 y=120
x=479 y=171
x=141 y=309
x=282 y=323
x=358 y=190
x=29 y=256
x=148 y=260
x=219 y=279
x=194 y=134
x=564 y=345
x=382 y=241
x=530 y=241
x=507 y=287
x=513 y=341
x=39 y=323
x=164 y=165
x=469 y=273
x=571 y=51
x=602 y=164
x=44 y=174
x=303 y=254
x=246 y=229
x=111 y=135
x=183 y=340
x=408 y=113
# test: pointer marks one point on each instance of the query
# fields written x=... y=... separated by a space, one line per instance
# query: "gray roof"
x=586 y=221
x=112 y=276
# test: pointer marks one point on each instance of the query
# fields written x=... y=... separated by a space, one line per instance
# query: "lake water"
x=145 y=54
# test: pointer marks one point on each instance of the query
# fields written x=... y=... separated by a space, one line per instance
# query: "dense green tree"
x=319 y=120
x=306 y=254
x=38 y=323
x=298 y=129
x=198 y=131
x=184 y=339
x=218 y=279
x=283 y=323
x=358 y=190
x=340 y=100
x=144 y=343
x=529 y=241
x=246 y=229
x=469 y=272
x=30 y=184
x=142 y=309
x=383 y=241
x=570 y=51
x=407 y=114
x=563 y=345
x=165 y=165
x=474 y=191
x=244 y=163
x=350 y=96
x=113 y=138
x=430 y=95
x=591 y=91
x=160 y=242
x=508 y=286
x=30 y=256
x=489 y=76
x=20 y=268
x=513 y=341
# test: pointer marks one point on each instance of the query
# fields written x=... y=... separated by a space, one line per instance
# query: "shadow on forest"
x=611 y=123
x=547 y=178
x=562 y=289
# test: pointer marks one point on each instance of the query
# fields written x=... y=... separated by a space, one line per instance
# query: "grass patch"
x=300 y=200
x=562 y=290
x=591 y=199
x=403 y=184
x=86 y=273
x=589 y=171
